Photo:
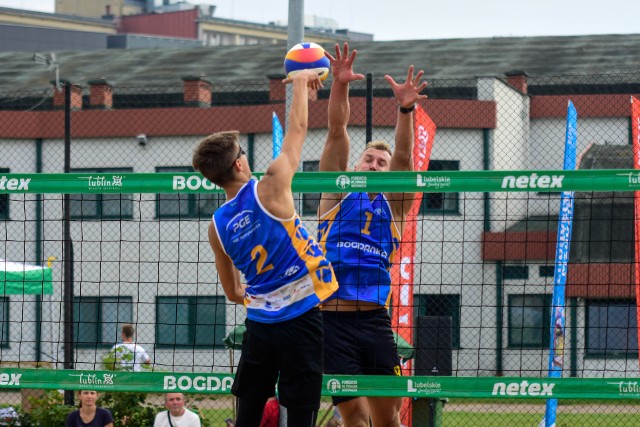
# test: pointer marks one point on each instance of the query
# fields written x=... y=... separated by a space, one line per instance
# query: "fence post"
x=67 y=248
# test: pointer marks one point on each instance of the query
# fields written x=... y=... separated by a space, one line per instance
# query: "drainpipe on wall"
x=251 y=148
x=38 y=254
x=573 y=312
x=369 y=109
x=486 y=164
x=499 y=318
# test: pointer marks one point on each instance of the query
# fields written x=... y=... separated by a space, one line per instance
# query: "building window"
x=97 y=320
x=4 y=200
x=440 y=203
x=547 y=270
x=529 y=317
x=310 y=201
x=193 y=321
x=515 y=272
x=612 y=328
x=102 y=206
x=201 y=205
x=4 y=318
x=441 y=305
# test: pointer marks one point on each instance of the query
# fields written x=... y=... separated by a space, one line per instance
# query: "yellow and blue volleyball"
x=306 y=56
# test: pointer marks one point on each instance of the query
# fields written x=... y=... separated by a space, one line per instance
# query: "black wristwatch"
x=404 y=110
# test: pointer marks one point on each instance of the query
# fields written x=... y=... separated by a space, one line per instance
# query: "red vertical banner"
x=402 y=272
x=635 y=136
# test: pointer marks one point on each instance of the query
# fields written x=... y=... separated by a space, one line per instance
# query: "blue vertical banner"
x=277 y=135
x=563 y=243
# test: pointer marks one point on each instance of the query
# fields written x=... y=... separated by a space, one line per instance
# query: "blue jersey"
x=360 y=240
x=285 y=269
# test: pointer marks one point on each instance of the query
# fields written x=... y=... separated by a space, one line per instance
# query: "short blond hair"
x=379 y=145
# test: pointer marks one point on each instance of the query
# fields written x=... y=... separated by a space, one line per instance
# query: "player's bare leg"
x=355 y=412
x=385 y=411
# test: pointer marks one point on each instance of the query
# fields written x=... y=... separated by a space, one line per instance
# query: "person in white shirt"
x=176 y=414
x=131 y=356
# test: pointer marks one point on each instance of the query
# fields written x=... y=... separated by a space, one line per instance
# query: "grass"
x=466 y=419
x=216 y=416
x=499 y=413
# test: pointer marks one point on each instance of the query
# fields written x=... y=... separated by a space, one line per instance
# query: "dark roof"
x=57 y=16
x=547 y=60
x=607 y=157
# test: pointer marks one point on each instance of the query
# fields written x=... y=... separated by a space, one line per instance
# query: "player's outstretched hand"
x=342 y=64
x=308 y=77
x=408 y=93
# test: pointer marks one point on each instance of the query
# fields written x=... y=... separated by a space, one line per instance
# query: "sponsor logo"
x=523 y=388
x=199 y=383
x=334 y=385
x=292 y=270
x=633 y=179
x=101 y=182
x=9 y=379
x=424 y=387
x=533 y=181
x=240 y=221
x=423 y=139
x=363 y=247
x=344 y=182
x=193 y=182
x=627 y=388
x=14 y=183
x=94 y=380
x=436 y=182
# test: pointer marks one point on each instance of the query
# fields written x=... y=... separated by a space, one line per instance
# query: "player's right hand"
x=342 y=64
x=307 y=77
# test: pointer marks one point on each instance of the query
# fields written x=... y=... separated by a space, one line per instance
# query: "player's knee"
x=354 y=415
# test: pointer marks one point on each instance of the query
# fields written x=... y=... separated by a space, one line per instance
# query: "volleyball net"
x=492 y=288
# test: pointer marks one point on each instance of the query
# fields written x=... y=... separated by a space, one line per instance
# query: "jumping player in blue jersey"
x=360 y=233
x=258 y=233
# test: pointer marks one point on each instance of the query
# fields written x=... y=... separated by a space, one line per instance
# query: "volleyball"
x=306 y=56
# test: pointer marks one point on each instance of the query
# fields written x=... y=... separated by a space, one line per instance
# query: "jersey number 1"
x=366 y=230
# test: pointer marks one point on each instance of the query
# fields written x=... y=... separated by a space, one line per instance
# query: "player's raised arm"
x=407 y=95
x=335 y=155
x=289 y=158
x=336 y=151
x=275 y=187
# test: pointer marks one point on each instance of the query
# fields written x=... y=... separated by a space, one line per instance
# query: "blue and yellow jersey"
x=360 y=239
x=285 y=269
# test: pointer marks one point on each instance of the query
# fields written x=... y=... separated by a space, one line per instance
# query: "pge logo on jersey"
x=240 y=221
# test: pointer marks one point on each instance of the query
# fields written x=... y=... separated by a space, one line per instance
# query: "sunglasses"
x=240 y=154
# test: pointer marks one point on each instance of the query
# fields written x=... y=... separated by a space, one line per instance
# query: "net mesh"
x=484 y=259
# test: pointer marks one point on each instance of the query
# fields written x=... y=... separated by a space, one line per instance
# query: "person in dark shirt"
x=89 y=415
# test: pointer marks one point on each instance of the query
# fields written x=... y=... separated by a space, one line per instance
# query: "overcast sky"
x=427 y=19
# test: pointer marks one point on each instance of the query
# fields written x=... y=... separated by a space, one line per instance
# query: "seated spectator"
x=176 y=414
x=89 y=415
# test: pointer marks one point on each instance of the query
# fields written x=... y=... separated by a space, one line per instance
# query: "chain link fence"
x=484 y=260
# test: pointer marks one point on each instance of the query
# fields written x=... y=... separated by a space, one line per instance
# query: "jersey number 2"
x=261 y=253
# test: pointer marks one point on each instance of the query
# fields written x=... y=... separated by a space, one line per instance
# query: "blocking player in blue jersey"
x=258 y=233
x=360 y=233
